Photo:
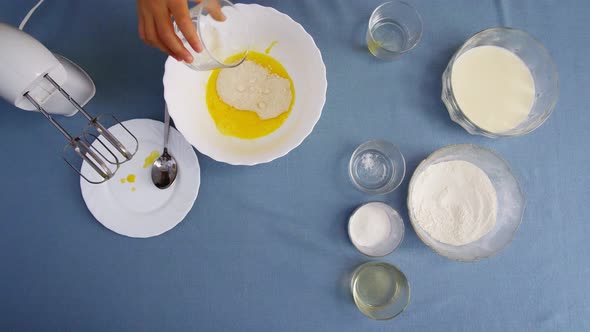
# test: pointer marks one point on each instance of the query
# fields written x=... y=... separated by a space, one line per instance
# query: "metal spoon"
x=164 y=169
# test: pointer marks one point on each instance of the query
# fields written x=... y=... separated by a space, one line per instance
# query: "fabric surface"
x=265 y=248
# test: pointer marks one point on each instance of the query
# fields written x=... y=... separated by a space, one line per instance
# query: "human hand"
x=156 y=29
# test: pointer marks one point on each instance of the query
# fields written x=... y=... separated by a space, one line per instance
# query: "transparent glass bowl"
x=389 y=244
x=380 y=290
x=377 y=167
x=511 y=202
x=537 y=59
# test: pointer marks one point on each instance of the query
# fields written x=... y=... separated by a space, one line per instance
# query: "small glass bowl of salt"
x=377 y=167
x=376 y=229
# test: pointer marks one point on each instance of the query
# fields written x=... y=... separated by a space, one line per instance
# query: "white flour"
x=252 y=87
x=454 y=202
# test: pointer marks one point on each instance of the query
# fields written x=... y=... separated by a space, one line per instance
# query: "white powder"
x=370 y=225
x=454 y=202
x=252 y=87
x=368 y=161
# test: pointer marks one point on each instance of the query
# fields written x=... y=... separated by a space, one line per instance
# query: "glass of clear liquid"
x=380 y=290
x=395 y=28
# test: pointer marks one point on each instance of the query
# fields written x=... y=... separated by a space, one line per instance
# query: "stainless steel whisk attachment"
x=106 y=153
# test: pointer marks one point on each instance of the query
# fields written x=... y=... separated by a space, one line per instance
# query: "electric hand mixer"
x=33 y=78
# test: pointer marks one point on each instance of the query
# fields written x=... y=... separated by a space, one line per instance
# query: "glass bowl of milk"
x=502 y=82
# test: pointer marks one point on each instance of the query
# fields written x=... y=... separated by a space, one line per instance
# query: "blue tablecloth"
x=265 y=248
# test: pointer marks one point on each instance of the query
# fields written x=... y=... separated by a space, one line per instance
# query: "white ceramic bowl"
x=511 y=202
x=184 y=91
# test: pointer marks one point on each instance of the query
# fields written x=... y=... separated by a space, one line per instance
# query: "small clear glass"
x=377 y=167
x=390 y=238
x=225 y=43
x=395 y=28
x=380 y=290
x=537 y=59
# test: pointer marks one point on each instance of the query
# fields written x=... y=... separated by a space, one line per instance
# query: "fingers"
x=181 y=14
x=155 y=29
x=140 y=27
x=149 y=34
x=152 y=38
x=215 y=9
x=147 y=28
x=167 y=36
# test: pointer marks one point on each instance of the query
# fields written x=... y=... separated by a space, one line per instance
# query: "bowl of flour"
x=465 y=203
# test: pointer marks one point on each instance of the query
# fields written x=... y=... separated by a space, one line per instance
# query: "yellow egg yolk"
x=245 y=124
x=149 y=160
x=271 y=46
x=131 y=178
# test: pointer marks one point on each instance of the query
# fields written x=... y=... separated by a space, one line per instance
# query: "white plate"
x=184 y=91
x=147 y=211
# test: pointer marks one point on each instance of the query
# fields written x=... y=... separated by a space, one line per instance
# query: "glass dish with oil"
x=380 y=290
